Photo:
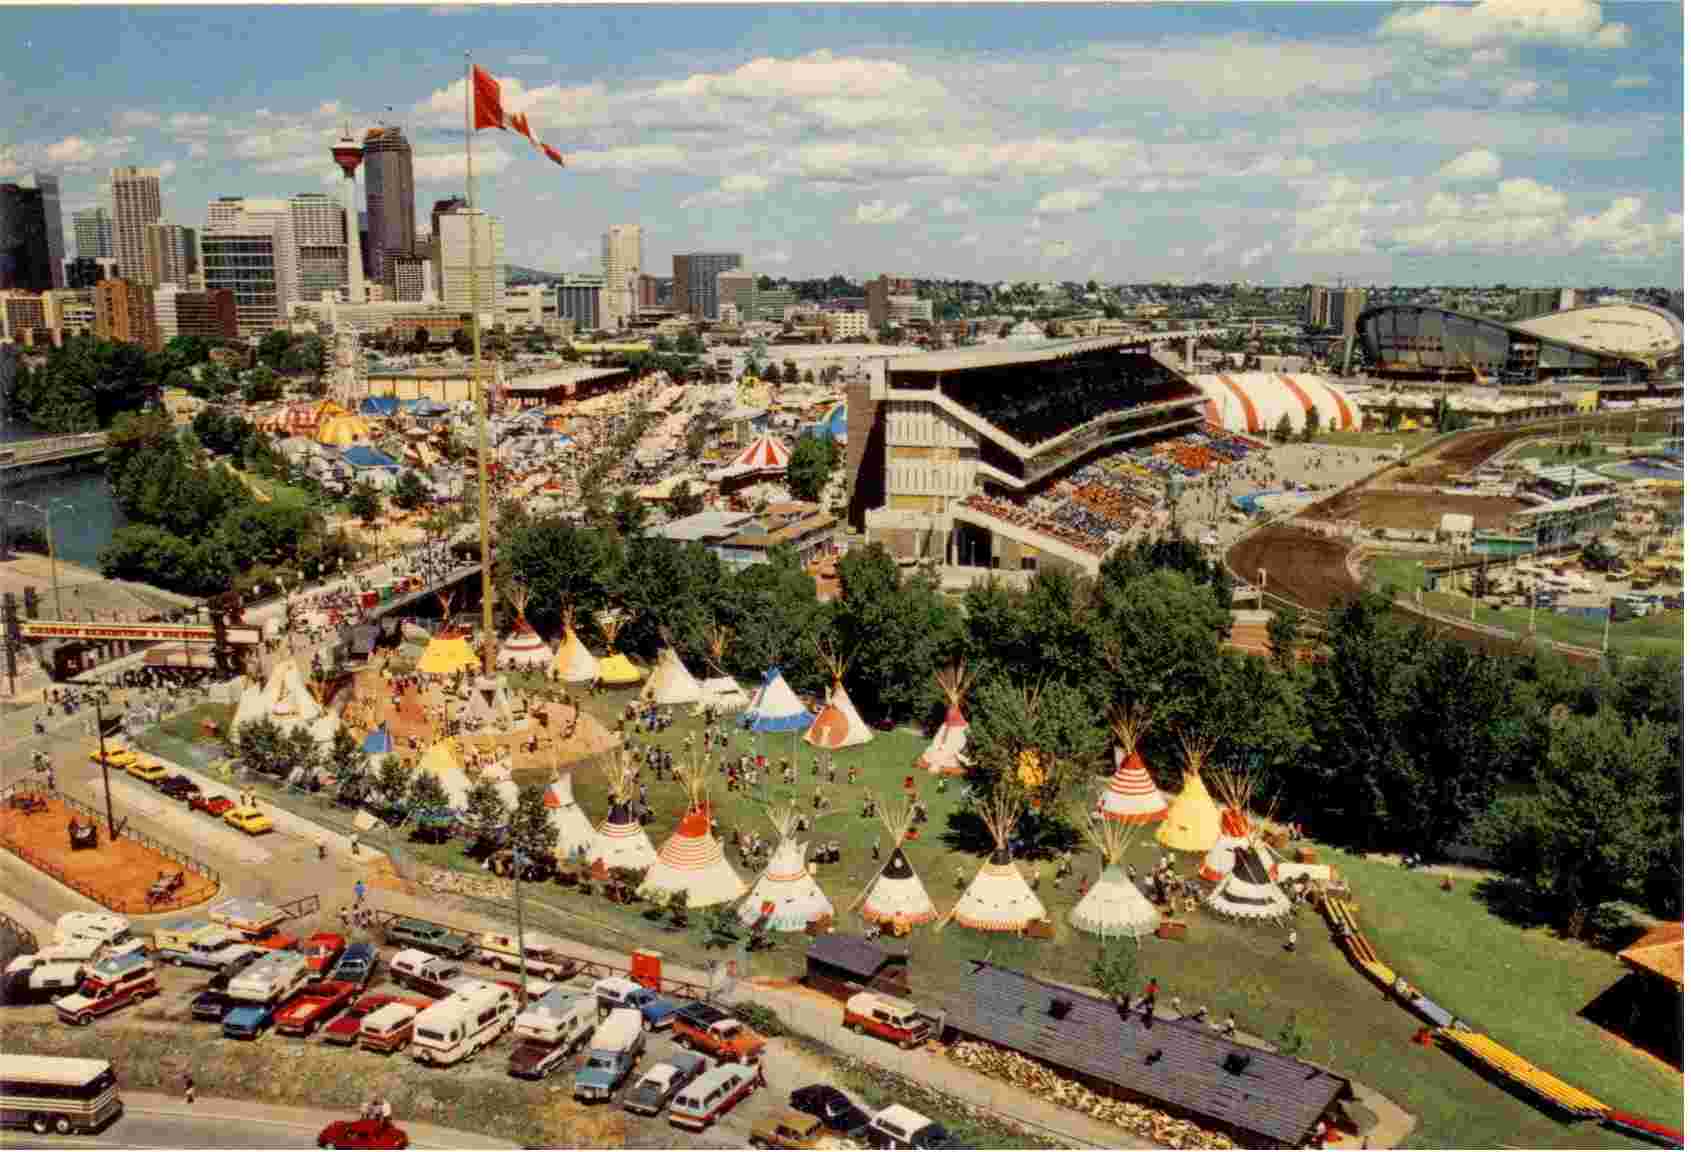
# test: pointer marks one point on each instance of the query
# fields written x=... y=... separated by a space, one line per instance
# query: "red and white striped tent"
x=1131 y=797
x=765 y=456
x=692 y=861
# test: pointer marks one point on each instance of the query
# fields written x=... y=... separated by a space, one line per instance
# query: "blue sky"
x=1517 y=140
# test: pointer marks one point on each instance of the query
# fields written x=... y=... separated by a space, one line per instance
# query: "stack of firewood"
x=488 y=887
x=1002 y=1064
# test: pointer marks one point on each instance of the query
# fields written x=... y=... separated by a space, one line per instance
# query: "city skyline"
x=1506 y=142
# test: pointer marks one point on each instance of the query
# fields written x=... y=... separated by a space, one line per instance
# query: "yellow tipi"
x=1193 y=823
x=615 y=669
x=448 y=652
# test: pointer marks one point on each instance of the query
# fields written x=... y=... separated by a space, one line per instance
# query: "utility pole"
x=1607 y=618
x=518 y=860
x=105 y=767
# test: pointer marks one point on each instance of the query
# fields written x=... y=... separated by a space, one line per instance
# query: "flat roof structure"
x=1001 y=355
x=566 y=379
x=709 y=525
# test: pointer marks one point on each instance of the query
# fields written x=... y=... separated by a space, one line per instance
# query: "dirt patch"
x=1412 y=511
x=1302 y=566
x=117 y=874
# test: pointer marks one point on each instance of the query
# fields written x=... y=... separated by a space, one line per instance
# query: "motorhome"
x=110 y=930
x=463 y=1024
x=560 y=1017
x=270 y=979
x=57 y=1093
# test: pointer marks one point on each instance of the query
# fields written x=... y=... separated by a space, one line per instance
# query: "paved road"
x=151 y=1120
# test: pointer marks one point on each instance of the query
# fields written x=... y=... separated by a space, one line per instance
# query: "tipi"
x=1248 y=891
x=573 y=663
x=574 y=831
x=721 y=691
x=786 y=892
x=1193 y=823
x=448 y=651
x=1238 y=830
x=1114 y=906
x=443 y=762
x=671 y=683
x=615 y=669
x=945 y=755
x=998 y=899
x=620 y=841
x=692 y=860
x=489 y=706
x=775 y=708
x=1131 y=797
x=838 y=725
x=895 y=897
x=523 y=648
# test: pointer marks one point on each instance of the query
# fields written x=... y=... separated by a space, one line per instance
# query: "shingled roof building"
x=1260 y=1098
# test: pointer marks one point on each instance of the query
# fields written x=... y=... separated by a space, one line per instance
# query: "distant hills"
x=517 y=274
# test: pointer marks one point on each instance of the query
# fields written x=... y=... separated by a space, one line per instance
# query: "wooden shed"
x=843 y=966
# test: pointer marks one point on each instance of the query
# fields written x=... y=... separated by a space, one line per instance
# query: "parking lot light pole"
x=105 y=766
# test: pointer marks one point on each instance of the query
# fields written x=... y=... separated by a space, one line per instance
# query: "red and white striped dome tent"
x=765 y=456
x=1253 y=402
x=944 y=755
x=1131 y=797
x=692 y=860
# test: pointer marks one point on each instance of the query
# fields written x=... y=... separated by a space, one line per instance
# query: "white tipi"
x=621 y=841
x=838 y=724
x=775 y=708
x=787 y=894
x=574 y=831
x=998 y=899
x=1131 y=797
x=692 y=860
x=896 y=898
x=444 y=763
x=1114 y=906
x=945 y=755
x=1248 y=891
x=523 y=648
x=721 y=691
x=670 y=683
x=1238 y=830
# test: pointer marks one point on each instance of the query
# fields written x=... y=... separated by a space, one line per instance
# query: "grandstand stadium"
x=1011 y=456
x=1621 y=346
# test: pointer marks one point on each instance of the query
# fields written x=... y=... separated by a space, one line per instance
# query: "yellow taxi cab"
x=149 y=770
x=249 y=820
x=117 y=755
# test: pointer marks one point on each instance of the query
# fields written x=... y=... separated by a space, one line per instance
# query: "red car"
x=321 y=950
x=344 y=1028
x=363 y=1134
x=210 y=805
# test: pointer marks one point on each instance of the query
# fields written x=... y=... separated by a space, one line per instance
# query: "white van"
x=462 y=1024
x=413 y=967
x=270 y=979
x=560 y=1017
x=388 y=1028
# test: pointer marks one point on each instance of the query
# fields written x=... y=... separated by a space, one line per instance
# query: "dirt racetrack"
x=1302 y=566
x=116 y=874
x=1418 y=510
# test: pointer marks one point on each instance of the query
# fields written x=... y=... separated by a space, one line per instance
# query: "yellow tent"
x=443 y=762
x=618 y=670
x=343 y=431
x=447 y=655
x=1193 y=823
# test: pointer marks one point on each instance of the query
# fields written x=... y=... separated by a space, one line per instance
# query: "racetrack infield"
x=1418 y=511
x=1302 y=566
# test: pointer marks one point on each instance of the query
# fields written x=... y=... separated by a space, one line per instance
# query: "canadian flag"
x=490 y=113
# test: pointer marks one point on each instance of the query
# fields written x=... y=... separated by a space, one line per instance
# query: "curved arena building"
x=1623 y=345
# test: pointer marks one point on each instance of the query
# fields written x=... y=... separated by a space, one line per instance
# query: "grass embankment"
x=1662 y=633
x=1383 y=441
x=1231 y=967
x=478 y=1095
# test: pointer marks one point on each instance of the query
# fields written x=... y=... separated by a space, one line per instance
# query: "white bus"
x=462 y=1024
x=57 y=1094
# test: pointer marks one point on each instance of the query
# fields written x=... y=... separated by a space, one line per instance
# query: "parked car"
x=787 y=1128
x=357 y=964
x=322 y=951
x=429 y=937
x=247 y=1021
x=898 y=1127
x=363 y=1133
x=620 y=992
x=708 y=1029
x=713 y=1095
x=211 y=805
x=309 y=1010
x=147 y=770
x=111 y=984
x=249 y=820
x=536 y=1059
x=652 y=1093
x=179 y=787
x=116 y=756
x=612 y=1053
x=888 y=1017
x=343 y=1029
x=831 y=1106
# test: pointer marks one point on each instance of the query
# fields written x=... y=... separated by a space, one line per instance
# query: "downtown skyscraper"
x=93 y=227
x=622 y=274
x=135 y=204
x=48 y=183
x=390 y=199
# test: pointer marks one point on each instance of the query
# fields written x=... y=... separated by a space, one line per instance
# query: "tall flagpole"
x=478 y=389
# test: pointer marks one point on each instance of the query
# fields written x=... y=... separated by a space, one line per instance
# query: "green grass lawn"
x=1662 y=633
x=1379 y=440
x=1522 y=987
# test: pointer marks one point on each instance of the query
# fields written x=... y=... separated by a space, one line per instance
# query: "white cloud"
x=1184 y=73
x=137 y=118
x=1474 y=164
x=1633 y=80
x=189 y=124
x=1251 y=257
x=880 y=212
x=72 y=150
x=1068 y=201
x=1519 y=213
x=734 y=188
x=167 y=169
x=79 y=152
x=775 y=256
x=1571 y=23
x=448 y=167
x=643 y=158
x=1622 y=232
x=970 y=239
x=1519 y=91
x=953 y=206
x=843 y=91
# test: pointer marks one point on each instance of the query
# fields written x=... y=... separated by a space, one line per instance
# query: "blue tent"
x=379 y=406
x=775 y=708
x=362 y=456
x=378 y=742
x=834 y=426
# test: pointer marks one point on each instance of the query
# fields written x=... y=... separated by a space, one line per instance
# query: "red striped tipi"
x=1131 y=797
x=692 y=860
x=945 y=755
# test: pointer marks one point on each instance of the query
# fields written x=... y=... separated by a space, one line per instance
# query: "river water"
x=83 y=528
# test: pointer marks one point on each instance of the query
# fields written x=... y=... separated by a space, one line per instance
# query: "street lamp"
x=52 y=552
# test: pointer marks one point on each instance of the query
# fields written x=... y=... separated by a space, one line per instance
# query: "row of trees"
x=1399 y=739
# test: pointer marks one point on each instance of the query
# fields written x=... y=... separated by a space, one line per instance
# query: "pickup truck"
x=322 y=951
x=343 y=1029
x=302 y=1015
x=652 y=1093
x=710 y=1030
x=620 y=992
x=612 y=1054
x=427 y=937
x=246 y=1021
x=357 y=964
x=536 y=1059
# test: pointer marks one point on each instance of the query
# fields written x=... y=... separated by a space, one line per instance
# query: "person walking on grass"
x=188 y=1088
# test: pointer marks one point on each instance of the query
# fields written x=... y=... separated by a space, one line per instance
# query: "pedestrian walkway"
x=252 y=1112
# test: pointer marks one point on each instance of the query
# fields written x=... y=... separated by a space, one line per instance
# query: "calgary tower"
x=349 y=154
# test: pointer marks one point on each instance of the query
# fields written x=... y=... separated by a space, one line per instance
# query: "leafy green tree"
x=461 y=342
x=365 y=502
x=811 y=464
x=629 y=514
x=261 y=386
x=1283 y=428
x=260 y=745
x=894 y=629
x=688 y=343
x=887 y=334
x=427 y=791
x=274 y=347
x=302 y=752
x=393 y=782
x=1588 y=830
x=1311 y=423
x=1283 y=638
x=1052 y=717
x=683 y=501
x=485 y=811
x=790 y=371
x=1158 y=639
x=349 y=766
x=1115 y=972
x=409 y=492
x=532 y=833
